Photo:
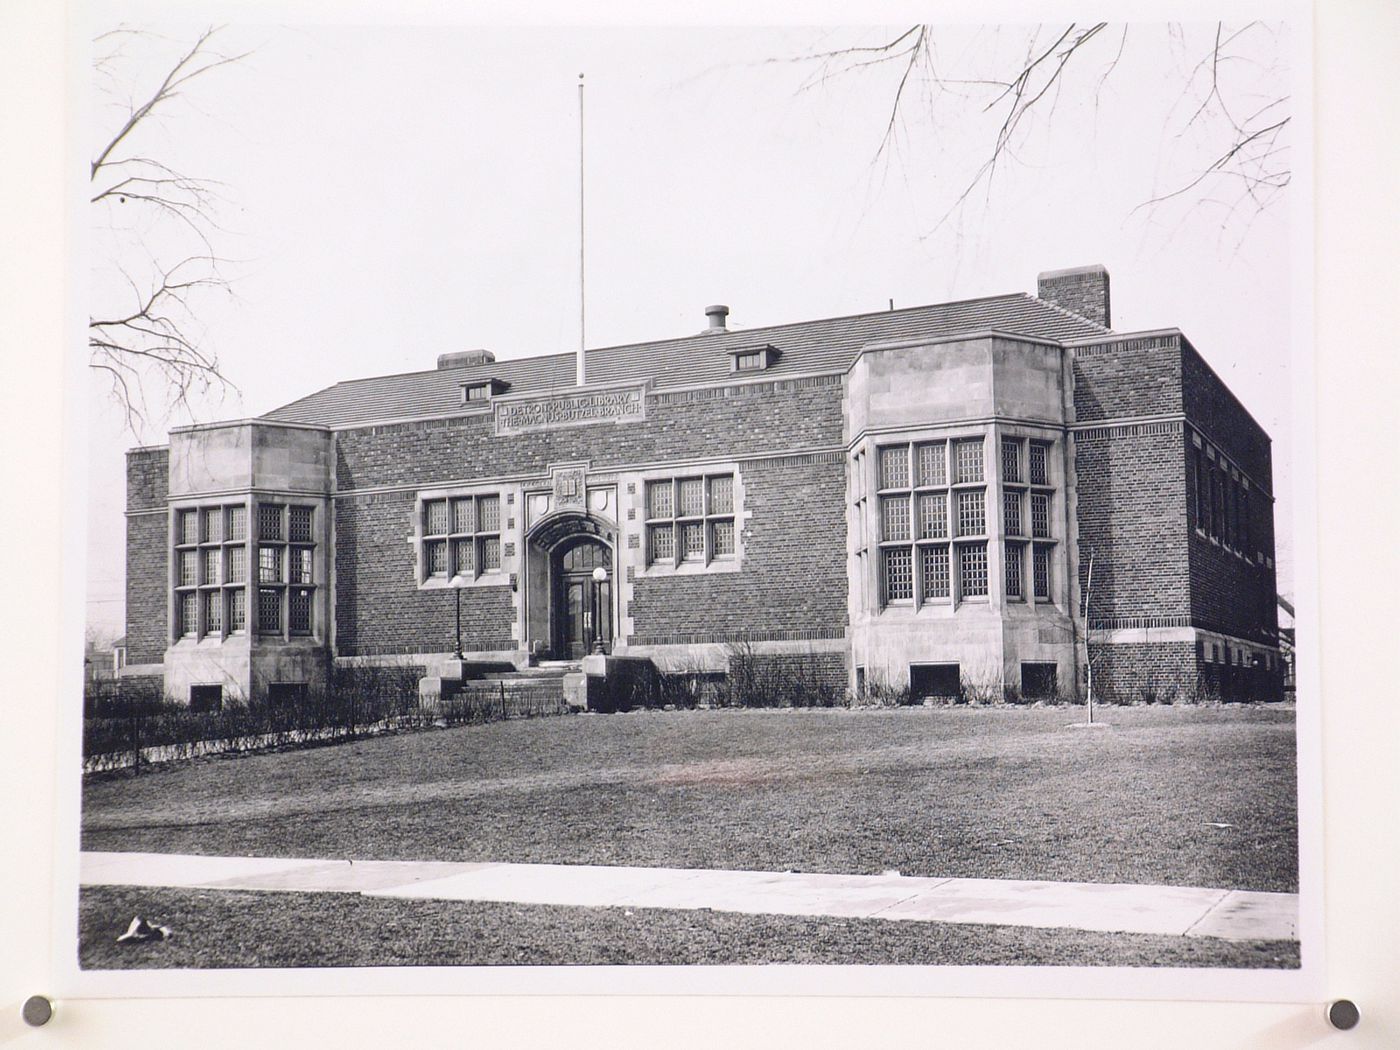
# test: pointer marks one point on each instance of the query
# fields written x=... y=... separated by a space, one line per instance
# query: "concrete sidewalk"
x=1173 y=910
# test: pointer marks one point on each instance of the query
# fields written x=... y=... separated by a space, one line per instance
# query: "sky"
x=394 y=192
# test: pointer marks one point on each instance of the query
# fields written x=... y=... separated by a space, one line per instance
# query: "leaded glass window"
x=933 y=465
x=461 y=536
x=1039 y=459
x=269 y=610
x=1041 y=571
x=722 y=494
x=918 y=511
x=236 y=560
x=972 y=570
x=189 y=575
x=692 y=497
x=972 y=512
x=690 y=519
x=1014 y=554
x=209 y=576
x=933 y=515
x=1011 y=512
x=1027 y=510
x=894 y=467
x=436 y=557
x=1010 y=460
x=237 y=610
x=435 y=512
x=894 y=515
x=661 y=543
x=488 y=510
x=189 y=613
x=299 y=569
x=270 y=521
x=722 y=540
x=969 y=461
x=299 y=611
x=659 y=501
x=464 y=556
x=490 y=550
x=1040 y=515
x=299 y=524
x=933 y=563
x=692 y=540
x=210 y=561
x=899 y=574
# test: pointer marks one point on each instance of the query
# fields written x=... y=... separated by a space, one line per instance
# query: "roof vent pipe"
x=716 y=315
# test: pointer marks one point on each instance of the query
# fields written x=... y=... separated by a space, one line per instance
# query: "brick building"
x=966 y=495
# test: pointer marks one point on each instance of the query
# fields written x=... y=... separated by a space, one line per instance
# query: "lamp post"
x=457 y=583
x=600 y=575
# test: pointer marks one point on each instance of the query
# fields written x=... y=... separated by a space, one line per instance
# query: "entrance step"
x=543 y=671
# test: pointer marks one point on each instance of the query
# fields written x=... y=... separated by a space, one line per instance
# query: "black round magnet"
x=37 y=1010
x=1343 y=1014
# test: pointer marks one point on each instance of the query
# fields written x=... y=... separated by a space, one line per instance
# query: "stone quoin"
x=995 y=494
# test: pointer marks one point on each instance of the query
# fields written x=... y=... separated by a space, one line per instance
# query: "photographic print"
x=708 y=496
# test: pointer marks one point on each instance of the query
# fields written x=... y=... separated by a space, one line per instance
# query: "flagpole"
x=581 y=370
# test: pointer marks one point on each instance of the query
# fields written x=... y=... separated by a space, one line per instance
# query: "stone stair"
x=520 y=691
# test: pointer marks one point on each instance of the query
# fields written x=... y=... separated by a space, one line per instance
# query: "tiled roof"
x=810 y=346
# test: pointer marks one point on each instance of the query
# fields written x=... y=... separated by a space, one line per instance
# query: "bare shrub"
x=877 y=691
x=776 y=680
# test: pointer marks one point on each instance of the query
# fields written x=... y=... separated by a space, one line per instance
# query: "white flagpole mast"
x=581 y=371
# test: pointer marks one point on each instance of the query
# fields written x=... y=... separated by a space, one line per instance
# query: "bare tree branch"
x=157 y=337
x=1019 y=94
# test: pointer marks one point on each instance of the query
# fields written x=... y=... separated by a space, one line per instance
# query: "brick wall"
x=732 y=422
x=794 y=571
x=1231 y=593
x=1209 y=404
x=824 y=670
x=1132 y=517
x=1127 y=378
x=378 y=606
x=147 y=565
x=793 y=577
x=1231 y=683
x=1155 y=672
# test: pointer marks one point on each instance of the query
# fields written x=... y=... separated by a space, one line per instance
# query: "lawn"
x=223 y=929
x=1201 y=796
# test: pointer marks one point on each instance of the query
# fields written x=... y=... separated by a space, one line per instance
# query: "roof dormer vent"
x=465 y=359
x=477 y=391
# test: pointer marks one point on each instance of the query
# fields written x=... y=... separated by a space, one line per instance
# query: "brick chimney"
x=1082 y=290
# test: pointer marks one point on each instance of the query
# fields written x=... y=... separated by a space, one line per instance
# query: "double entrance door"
x=583 y=620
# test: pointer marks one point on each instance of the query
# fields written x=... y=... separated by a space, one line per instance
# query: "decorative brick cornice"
x=1147 y=428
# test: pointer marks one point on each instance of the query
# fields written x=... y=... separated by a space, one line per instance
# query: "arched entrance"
x=581 y=571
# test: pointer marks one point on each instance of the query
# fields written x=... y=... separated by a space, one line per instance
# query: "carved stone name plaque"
x=624 y=405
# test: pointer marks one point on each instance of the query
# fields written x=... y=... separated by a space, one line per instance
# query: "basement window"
x=1038 y=681
x=286 y=694
x=206 y=698
x=940 y=681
